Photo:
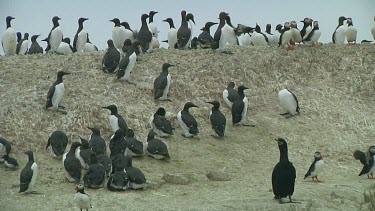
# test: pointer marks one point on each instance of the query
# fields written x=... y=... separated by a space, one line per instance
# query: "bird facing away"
x=217 y=119
x=28 y=174
x=289 y=103
x=283 y=174
x=58 y=142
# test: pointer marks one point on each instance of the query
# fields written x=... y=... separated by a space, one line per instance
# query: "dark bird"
x=217 y=119
x=81 y=36
x=117 y=143
x=28 y=174
x=144 y=35
x=162 y=83
x=35 y=47
x=367 y=159
x=106 y=162
x=230 y=94
x=160 y=125
x=183 y=33
x=128 y=62
x=187 y=121
x=134 y=147
x=316 y=167
x=5 y=147
x=72 y=165
x=205 y=39
x=111 y=58
x=116 y=120
x=239 y=107
x=96 y=142
x=10 y=163
x=56 y=93
x=95 y=176
x=284 y=174
x=23 y=45
x=156 y=148
x=119 y=180
x=83 y=153
x=137 y=179
x=58 y=142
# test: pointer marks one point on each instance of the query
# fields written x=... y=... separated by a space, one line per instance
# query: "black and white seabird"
x=314 y=35
x=48 y=45
x=151 y=24
x=296 y=34
x=129 y=33
x=116 y=120
x=183 y=33
x=80 y=38
x=194 y=43
x=338 y=36
x=306 y=29
x=56 y=92
x=55 y=36
x=288 y=102
x=239 y=107
x=205 y=39
x=137 y=179
x=10 y=163
x=119 y=180
x=81 y=200
x=217 y=119
x=127 y=45
x=134 y=147
x=28 y=174
x=65 y=48
x=220 y=41
x=58 y=142
x=187 y=121
x=89 y=47
x=172 y=34
x=111 y=58
x=316 y=167
x=162 y=83
x=106 y=162
x=144 y=35
x=35 y=47
x=286 y=35
x=9 y=38
x=95 y=175
x=230 y=94
x=23 y=45
x=118 y=34
x=72 y=165
x=117 y=144
x=258 y=38
x=83 y=153
x=228 y=32
x=283 y=174
x=156 y=147
x=368 y=161
x=118 y=162
x=276 y=35
x=351 y=32
x=5 y=147
x=268 y=33
x=128 y=62
x=191 y=22
x=159 y=124
x=96 y=142
x=19 y=36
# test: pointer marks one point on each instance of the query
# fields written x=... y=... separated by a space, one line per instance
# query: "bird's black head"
x=209 y=24
x=231 y=85
x=293 y=24
x=371 y=150
x=189 y=105
x=215 y=103
x=81 y=20
x=242 y=88
x=342 y=19
x=128 y=43
x=126 y=25
x=66 y=40
x=222 y=15
x=166 y=66
x=316 y=24
x=160 y=112
x=61 y=73
x=112 y=108
x=168 y=20
x=94 y=130
x=116 y=21
x=110 y=43
x=150 y=135
x=30 y=154
x=183 y=13
x=287 y=25
x=75 y=145
x=268 y=27
x=9 y=18
x=80 y=188
x=281 y=142
x=279 y=27
x=34 y=37
x=257 y=28
x=190 y=17
x=130 y=133
x=26 y=36
x=318 y=155
x=144 y=17
x=84 y=143
x=152 y=13
x=55 y=19
x=119 y=133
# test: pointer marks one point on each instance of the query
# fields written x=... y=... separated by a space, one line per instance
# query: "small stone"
x=218 y=175
x=180 y=179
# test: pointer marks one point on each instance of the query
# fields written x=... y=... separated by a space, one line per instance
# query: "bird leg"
x=316 y=180
x=131 y=83
x=284 y=114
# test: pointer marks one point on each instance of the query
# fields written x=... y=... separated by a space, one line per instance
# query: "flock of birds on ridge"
x=120 y=58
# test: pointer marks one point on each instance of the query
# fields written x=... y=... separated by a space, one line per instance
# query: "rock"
x=348 y=195
x=179 y=178
x=218 y=175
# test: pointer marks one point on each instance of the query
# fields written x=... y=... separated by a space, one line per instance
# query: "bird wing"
x=50 y=93
x=122 y=66
x=183 y=36
x=190 y=122
x=73 y=167
x=163 y=124
x=311 y=169
x=157 y=147
x=237 y=109
x=134 y=145
x=111 y=59
x=159 y=85
x=25 y=178
x=232 y=95
x=122 y=124
x=218 y=122
x=309 y=36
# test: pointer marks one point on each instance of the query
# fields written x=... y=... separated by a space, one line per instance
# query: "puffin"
x=95 y=175
x=368 y=161
x=117 y=144
x=286 y=35
x=316 y=167
x=134 y=147
x=289 y=103
x=111 y=58
x=81 y=200
x=89 y=47
x=160 y=125
x=314 y=35
x=72 y=165
x=58 y=142
x=129 y=34
x=137 y=179
x=191 y=21
x=65 y=48
x=172 y=34
x=28 y=174
x=56 y=93
x=55 y=36
x=183 y=33
x=156 y=148
x=205 y=39
x=151 y=24
x=144 y=35
x=187 y=121
x=96 y=142
x=306 y=29
x=127 y=63
x=338 y=36
x=230 y=94
x=162 y=83
x=351 y=32
x=239 y=107
x=23 y=45
x=258 y=38
x=35 y=47
x=5 y=147
x=118 y=34
x=119 y=180
x=268 y=33
x=296 y=34
x=217 y=119
x=283 y=174
x=276 y=35
x=9 y=38
x=10 y=163
x=83 y=153
x=81 y=36
x=116 y=120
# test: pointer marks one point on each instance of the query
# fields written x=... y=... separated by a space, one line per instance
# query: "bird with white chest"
x=338 y=36
x=81 y=36
x=23 y=45
x=187 y=121
x=289 y=103
x=56 y=93
x=55 y=36
x=162 y=83
x=9 y=38
x=118 y=34
x=28 y=174
x=81 y=200
x=172 y=34
x=116 y=120
x=313 y=37
x=351 y=32
x=127 y=63
x=316 y=167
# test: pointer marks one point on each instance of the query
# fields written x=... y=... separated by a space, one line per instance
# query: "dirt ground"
x=334 y=84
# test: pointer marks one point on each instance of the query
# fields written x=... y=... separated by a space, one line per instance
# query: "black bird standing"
x=239 y=107
x=217 y=118
x=35 y=47
x=95 y=176
x=144 y=35
x=284 y=174
x=162 y=83
x=160 y=125
x=111 y=58
x=72 y=165
x=116 y=120
x=183 y=33
x=28 y=174
x=137 y=179
x=96 y=142
x=56 y=92
x=134 y=147
x=58 y=142
x=205 y=39
x=78 y=44
x=117 y=144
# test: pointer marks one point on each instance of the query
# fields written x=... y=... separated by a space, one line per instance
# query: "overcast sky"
x=35 y=16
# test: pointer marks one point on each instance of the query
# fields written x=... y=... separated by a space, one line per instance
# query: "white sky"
x=34 y=16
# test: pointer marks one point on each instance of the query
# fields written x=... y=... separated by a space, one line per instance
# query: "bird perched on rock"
x=111 y=58
x=183 y=33
x=35 y=47
x=239 y=107
x=172 y=34
x=338 y=36
x=95 y=175
x=97 y=142
x=283 y=174
x=316 y=167
x=289 y=103
x=28 y=174
x=72 y=165
x=10 y=163
x=368 y=161
x=128 y=62
x=55 y=36
x=9 y=38
x=137 y=179
x=156 y=148
x=134 y=147
x=217 y=119
x=187 y=121
x=205 y=39
x=81 y=36
x=144 y=35
x=160 y=125
x=351 y=32
x=117 y=144
x=83 y=153
x=116 y=120
x=162 y=83
x=56 y=93
x=58 y=142
x=81 y=200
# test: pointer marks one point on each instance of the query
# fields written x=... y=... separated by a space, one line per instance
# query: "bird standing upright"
x=81 y=36
x=9 y=38
x=162 y=83
x=56 y=93
x=28 y=174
